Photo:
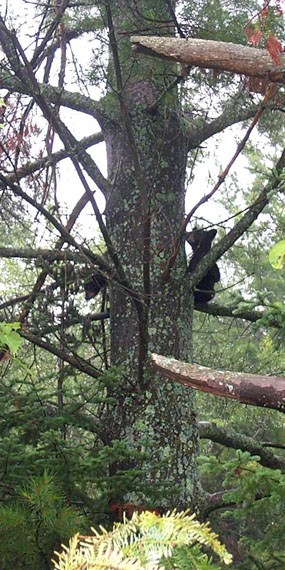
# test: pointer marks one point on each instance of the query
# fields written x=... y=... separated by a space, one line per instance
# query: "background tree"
x=86 y=403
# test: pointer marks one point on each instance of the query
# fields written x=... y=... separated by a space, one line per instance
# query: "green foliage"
x=146 y=542
x=259 y=495
x=9 y=337
x=35 y=519
x=31 y=437
x=277 y=255
x=227 y=22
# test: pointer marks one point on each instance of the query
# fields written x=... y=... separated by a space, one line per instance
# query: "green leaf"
x=277 y=255
x=9 y=337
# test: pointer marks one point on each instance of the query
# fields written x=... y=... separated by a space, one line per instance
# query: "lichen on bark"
x=147 y=155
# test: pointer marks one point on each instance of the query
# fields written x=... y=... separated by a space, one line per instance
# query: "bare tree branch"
x=64 y=233
x=262 y=391
x=223 y=56
x=71 y=100
x=233 y=311
x=75 y=361
x=45 y=254
x=230 y=438
x=43 y=162
x=233 y=113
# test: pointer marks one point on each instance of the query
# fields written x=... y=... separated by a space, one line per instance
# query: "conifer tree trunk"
x=147 y=153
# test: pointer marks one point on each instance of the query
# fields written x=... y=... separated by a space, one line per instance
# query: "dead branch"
x=262 y=391
x=209 y=54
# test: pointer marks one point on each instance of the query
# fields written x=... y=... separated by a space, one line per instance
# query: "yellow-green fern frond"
x=81 y=555
x=146 y=542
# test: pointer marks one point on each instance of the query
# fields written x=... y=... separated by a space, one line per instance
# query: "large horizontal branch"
x=235 y=112
x=223 y=56
x=45 y=254
x=262 y=391
x=269 y=319
x=87 y=320
x=230 y=438
x=72 y=100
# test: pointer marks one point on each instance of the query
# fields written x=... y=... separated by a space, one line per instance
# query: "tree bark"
x=262 y=391
x=222 y=56
x=146 y=155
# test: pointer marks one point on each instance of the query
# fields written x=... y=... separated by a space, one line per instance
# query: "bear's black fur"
x=201 y=241
x=94 y=285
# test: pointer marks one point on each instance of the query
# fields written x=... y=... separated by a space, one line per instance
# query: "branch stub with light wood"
x=209 y=54
x=263 y=391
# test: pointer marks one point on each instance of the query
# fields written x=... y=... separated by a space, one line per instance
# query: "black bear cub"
x=94 y=285
x=201 y=241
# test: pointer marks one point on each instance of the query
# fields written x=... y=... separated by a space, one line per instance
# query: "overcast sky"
x=82 y=125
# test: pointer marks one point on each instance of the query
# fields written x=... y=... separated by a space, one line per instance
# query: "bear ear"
x=188 y=236
x=198 y=237
x=194 y=237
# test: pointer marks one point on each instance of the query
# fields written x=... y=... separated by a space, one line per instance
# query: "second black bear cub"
x=94 y=285
x=201 y=241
